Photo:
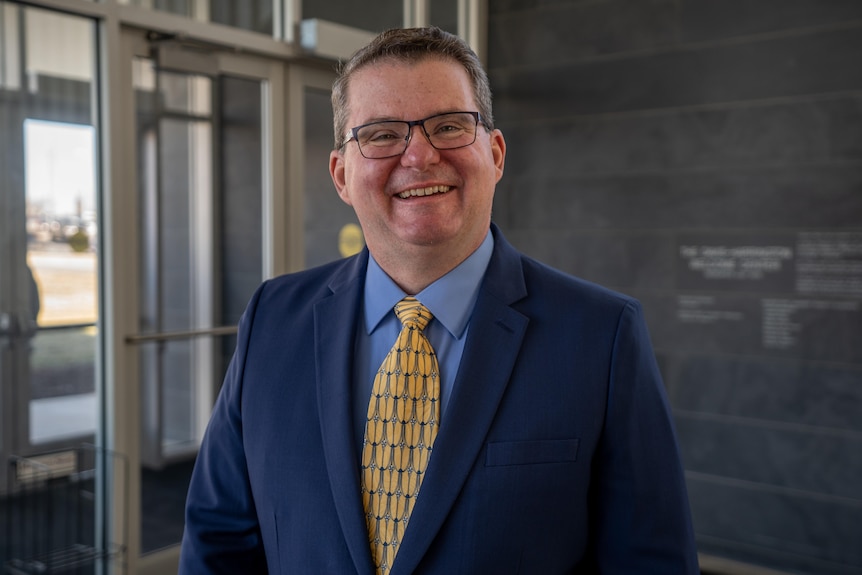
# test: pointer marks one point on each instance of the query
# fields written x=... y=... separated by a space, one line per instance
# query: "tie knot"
x=411 y=312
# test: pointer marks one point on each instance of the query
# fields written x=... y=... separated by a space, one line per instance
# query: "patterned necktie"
x=401 y=427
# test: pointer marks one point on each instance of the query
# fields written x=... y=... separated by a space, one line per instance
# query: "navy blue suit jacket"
x=557 y=453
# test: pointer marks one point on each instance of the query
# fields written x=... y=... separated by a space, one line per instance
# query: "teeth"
x=424 y=191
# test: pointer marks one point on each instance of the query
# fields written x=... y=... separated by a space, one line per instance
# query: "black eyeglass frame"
x=353 y=135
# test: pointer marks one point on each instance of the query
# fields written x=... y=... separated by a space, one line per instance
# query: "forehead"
x=409 y=90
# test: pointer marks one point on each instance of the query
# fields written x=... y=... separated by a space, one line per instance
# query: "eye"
x=448 y=127
x=382 y=134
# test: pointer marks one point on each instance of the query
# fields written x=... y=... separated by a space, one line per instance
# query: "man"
x=549 y=447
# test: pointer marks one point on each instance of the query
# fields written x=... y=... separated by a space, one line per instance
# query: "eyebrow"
x=394 y=119
x=381 y=119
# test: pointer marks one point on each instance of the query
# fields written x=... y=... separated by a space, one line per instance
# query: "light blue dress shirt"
x=450 y=300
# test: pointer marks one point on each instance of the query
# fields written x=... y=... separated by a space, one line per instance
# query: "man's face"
x=455 y=214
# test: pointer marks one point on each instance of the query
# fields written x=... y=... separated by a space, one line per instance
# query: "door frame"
x=279 y=218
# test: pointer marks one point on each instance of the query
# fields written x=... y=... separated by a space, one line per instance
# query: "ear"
x=336 y=172
x=498 y=152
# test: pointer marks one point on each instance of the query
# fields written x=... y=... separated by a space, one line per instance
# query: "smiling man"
x=438 y=403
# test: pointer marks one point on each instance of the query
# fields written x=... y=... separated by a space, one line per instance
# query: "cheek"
x=366 y=185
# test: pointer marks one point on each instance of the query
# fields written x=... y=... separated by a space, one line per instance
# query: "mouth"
x=429 y=191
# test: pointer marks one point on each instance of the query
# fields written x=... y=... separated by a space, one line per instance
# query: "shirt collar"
x=450 y=299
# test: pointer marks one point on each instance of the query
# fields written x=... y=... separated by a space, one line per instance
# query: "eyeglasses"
x=389 y=138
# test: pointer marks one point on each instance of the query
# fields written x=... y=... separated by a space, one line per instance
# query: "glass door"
x=50 y=325
x=205 y=213
x=49 y=243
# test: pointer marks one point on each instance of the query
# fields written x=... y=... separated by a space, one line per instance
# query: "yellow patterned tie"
x=401 y=427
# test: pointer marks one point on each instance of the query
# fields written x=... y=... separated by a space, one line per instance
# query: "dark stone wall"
x=705 y=156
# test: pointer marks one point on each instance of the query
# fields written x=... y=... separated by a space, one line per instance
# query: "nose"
x=419 y=151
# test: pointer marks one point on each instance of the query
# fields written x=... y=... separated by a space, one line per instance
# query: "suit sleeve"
x=640 y=509
x=222 y=534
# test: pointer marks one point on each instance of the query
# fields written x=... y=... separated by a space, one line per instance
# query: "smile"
x=429 y=191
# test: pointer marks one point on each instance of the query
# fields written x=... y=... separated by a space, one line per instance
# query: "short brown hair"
x=411 y=45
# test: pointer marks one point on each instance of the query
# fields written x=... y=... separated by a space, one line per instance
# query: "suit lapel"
x=334 y=393
x=494 y=340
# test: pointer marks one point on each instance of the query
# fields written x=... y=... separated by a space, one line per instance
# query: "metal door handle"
x=173 y=335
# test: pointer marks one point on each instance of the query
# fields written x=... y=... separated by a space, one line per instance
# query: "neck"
x=418 y=268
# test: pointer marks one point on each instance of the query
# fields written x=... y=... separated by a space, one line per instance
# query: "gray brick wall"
x=705 y=156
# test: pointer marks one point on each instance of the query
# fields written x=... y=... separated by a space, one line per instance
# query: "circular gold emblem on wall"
x=350 y=240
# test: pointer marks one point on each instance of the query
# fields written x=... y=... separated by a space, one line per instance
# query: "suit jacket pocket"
x=531 y=452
